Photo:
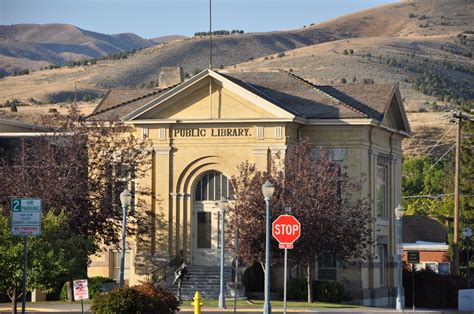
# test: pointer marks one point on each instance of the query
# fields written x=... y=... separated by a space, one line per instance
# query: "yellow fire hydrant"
x=197 y=303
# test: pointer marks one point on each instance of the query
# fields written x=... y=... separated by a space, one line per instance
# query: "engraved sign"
x=213 y=132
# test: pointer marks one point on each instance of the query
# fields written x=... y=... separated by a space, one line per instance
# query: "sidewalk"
x=76 y=308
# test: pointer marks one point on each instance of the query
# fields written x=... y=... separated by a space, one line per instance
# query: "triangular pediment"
x=395 y=116
x=211 y=96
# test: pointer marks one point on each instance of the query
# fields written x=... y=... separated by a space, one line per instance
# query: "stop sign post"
x=286 y=229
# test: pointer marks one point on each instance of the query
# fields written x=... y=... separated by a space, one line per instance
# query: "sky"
x=153 y=18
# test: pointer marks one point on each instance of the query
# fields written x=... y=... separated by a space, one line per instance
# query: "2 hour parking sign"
x=26 y=216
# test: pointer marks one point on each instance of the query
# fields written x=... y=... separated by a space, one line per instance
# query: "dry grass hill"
x=32 y=46
x=425 y=45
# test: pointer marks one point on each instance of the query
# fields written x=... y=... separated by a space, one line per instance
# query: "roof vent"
x=170 y=76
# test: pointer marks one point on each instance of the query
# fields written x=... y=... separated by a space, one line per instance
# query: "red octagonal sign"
x=286 y=229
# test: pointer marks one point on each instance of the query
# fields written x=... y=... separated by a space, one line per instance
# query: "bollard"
x=197 y=303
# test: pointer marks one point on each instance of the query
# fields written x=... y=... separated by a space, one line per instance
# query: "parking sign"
x=26 y=217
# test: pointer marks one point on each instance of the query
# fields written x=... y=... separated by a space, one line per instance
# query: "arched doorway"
x=209 y=189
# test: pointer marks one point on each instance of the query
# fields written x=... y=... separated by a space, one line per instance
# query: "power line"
x=436 y=196
x=454 y=145
x=445 y=133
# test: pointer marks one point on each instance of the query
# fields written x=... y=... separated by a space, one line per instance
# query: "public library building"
x=202 y=128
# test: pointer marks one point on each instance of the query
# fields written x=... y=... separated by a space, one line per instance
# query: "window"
x=382 y=254
x=381 y=193
x=116 y=265
x=443 y=268
x=327 y=267
x=212 y=186
x=431 y=267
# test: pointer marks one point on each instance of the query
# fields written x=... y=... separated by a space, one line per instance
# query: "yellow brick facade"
x=193 y=133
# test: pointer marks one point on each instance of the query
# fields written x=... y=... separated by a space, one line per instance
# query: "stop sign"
x=286 y=229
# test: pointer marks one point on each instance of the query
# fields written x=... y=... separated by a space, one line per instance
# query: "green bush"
x=328 y=291
x=93 y=285
x=297 y=289
x=145 y=298
x=323 y=291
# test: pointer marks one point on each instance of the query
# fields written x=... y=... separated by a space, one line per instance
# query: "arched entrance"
x=209 y=189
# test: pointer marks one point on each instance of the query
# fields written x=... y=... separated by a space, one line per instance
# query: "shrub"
x=351 y=51
x=145 y=298
x=164 y=300
x=345 y=52
x=93 y=285
x=343 y=80
x=281 y=55
x=324 y=291
x=297 y=289
x=13 y=108
x=125 y=300
x=328 y=291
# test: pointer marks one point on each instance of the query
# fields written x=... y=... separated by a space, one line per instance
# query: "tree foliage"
x=334 y=216
x=428 y=183
x=80 y=171
x=50 y=257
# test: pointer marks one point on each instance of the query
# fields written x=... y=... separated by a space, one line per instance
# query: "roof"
x=425 y=246
x=310 y=101
x=422 y=228
x=13 y=126
x=119 y=102
x=283 y=89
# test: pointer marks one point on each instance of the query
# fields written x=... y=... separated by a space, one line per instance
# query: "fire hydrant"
x=197 y=303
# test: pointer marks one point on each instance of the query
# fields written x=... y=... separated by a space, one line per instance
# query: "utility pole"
x=457 y=173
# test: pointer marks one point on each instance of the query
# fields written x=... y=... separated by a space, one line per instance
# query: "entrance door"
x=206 y=234
x=206 y=218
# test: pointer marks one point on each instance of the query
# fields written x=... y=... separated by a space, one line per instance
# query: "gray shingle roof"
x=422 y=228
x=283 y=89
x=318 y=102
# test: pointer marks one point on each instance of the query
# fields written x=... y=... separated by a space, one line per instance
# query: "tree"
x=81 y=172
x=335 y=218
x=49 y=256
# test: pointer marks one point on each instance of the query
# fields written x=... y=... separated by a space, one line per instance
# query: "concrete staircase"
x=205 y=279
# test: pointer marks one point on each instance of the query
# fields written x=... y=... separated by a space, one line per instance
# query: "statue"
x=179 y=275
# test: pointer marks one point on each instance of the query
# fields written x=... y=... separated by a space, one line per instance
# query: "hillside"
x=31 y=46
x=426 y=46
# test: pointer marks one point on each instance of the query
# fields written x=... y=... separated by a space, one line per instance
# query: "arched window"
x=212 y=186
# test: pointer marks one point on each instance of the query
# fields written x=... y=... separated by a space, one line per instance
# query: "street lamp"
x=223 y=204
x=125 y=199
x=399 y=214
x=267 y=190
x=467 y=236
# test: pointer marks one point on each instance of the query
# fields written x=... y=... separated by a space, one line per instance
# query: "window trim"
x=382 y=163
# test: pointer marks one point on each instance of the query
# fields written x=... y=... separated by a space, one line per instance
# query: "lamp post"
x=125 y=199
x=398 y=215
x=267 y=190
x=467 y=236
x=223 y=204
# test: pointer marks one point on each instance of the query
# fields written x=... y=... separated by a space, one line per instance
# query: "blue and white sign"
x=26 y=217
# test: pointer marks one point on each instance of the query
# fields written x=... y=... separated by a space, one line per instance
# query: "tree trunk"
x=70 y=292
x=309 y=280
x=14 y=298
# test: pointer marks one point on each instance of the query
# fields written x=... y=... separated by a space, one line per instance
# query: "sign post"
x=81 y=291
x=286 y=229
x=413 y=258
x=26 y=221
